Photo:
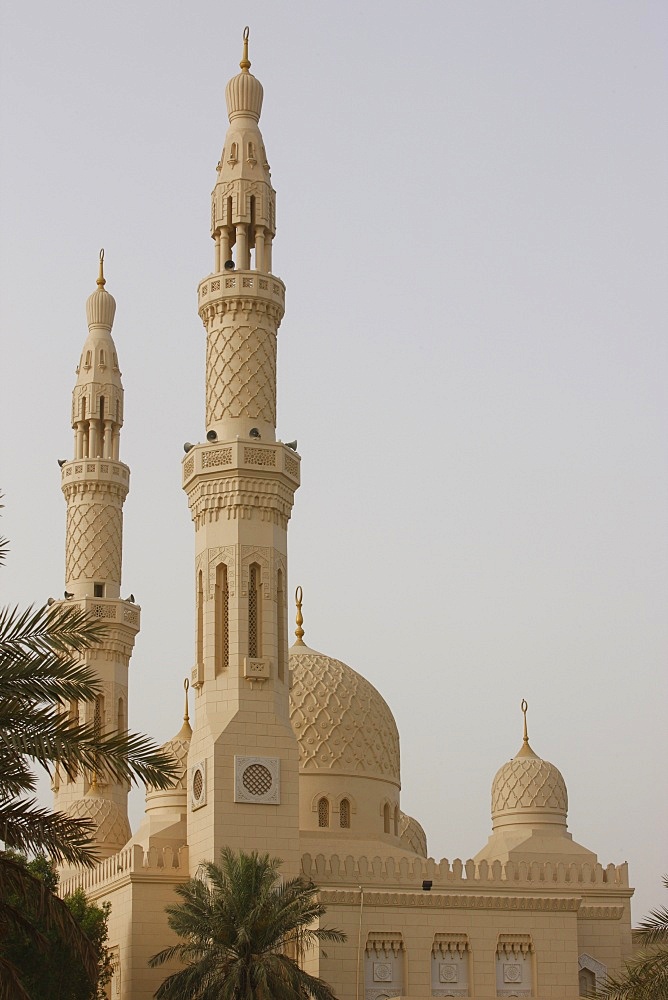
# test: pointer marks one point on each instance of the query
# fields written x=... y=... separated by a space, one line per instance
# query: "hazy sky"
x=472 y=231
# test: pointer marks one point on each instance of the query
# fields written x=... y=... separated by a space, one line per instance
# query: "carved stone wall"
x=241 y=370
x=93 y=548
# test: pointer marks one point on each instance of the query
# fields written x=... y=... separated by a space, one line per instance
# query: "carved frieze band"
x=600 y=913
x=433 y=900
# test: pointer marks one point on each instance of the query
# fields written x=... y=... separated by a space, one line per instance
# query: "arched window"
x=233 y=153
x=200 y=627
x=323 y=812
x=386 y=817
x=344 y=814
x=396 y=821
x=88 y=359
x=280 y=631
x=586 y=981
x=254 y=611
x=222 y=620
x=101 y=407
x=121 y=724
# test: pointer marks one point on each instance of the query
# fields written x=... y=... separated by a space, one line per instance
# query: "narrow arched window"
x=222 y=620
x=233 y=152
x=88 y=359
x=323 y=812
x=254 y=611
x=120 y=721
x=101 y=407
x=344 y=814
x=83 y=407
x=98 y=718
x=396 y=821
x=386 y=818
x=102 y=358
x=200 y=626
x=280 y=630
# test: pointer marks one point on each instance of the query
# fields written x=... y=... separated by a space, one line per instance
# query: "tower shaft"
x=243 y=759
x=95 y=484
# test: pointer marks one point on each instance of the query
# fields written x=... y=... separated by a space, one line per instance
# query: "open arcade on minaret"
x=293 y=752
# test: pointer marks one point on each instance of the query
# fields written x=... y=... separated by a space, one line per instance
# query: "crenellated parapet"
x=402 y=871
x=130 y=865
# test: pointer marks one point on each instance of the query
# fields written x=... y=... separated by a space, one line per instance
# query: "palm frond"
x=27 y=826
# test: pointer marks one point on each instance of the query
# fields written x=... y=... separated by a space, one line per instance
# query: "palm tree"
x=645 y=976
x=40 y=673
x=238 y=919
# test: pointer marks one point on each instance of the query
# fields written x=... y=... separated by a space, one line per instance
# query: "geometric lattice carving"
x=412 y=835
x=529 y=783
x=110 y=822
x=259 y=456
x=213 y=459
x=94 y=542
x=241 y=373
x=178 y=749
x=340 y=720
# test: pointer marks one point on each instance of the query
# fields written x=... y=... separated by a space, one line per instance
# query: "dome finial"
x=524 y=705
x=101 y=282
x=299 y=631
x=245 y=61
x=186 y=716
x=525 y=750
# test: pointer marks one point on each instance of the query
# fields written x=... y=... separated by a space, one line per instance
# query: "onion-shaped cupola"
x=349 y=759
x=174 y=799
x=529 y=810
x=528 y=789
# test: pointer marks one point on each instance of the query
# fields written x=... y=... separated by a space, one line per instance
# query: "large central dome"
x=342 y=723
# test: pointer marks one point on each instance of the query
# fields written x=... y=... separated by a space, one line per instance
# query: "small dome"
x=342 y=724
x=112 y=829
x=528 y=786
x=101 y=306
x=178 y=748
x=243 y=94
x=101 y=309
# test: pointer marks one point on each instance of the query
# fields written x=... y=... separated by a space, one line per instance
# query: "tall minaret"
x=240 y=484
x=95 y=484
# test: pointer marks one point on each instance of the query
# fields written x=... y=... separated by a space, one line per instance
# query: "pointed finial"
x=524 y=705
x=186 y=686
x=299 y=631
x=245 y=61
x=100 y=278
x=525 y=750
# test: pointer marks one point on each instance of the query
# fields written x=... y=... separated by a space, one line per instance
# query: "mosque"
x=293 y=752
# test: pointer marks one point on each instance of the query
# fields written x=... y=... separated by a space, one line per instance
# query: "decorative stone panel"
x=94 y=542
x=257 y=780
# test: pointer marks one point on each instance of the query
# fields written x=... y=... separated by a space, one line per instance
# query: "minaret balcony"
x=103 y=469
x=249 y=285
x=241 y=455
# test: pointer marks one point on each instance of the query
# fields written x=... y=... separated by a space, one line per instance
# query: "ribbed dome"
x=527 y=786
x=101 y=308
x=110 y=822
x=244 y=92
x=342 y=724
x=243 y=96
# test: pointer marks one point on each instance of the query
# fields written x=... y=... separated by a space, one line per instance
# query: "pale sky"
x=472 y=230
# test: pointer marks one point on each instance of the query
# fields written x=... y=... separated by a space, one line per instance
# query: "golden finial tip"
x=186 y=686
x=524 y=705
x=100 y=277
x=245 y=61
x=299 y=631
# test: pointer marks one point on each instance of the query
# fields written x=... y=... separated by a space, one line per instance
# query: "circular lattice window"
x=198 y=785
x=257 y=779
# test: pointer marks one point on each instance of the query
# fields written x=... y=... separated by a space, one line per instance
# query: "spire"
x=525 y=750
x=244 y=93
x=299 y=631
x=186 y=730
x=100 y=277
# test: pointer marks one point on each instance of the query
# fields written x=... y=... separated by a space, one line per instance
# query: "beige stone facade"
x=292 y=751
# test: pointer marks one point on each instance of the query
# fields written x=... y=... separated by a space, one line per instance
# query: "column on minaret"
x=240 y=484
x=95 y=484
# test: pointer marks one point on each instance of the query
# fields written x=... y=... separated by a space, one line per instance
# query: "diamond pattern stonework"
x=241 y=367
